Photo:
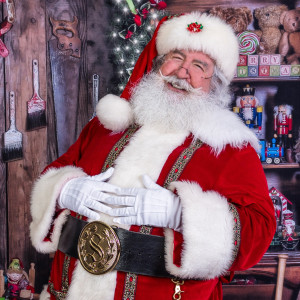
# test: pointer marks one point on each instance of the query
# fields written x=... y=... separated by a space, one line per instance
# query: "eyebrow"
x=204 y=64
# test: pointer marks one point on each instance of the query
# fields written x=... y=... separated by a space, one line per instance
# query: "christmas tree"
x=133 y=24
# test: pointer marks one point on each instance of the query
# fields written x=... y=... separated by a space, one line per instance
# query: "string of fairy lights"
x=133 y=24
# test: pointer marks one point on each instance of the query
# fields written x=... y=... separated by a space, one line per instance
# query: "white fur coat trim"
x=217 y=129
x=207 y=227
x=86 y=286
x=43 y=203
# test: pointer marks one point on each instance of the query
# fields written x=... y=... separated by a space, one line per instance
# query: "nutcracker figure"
x=283 y=128
x=248 y=109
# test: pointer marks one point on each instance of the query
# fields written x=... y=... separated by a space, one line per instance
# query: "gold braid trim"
x=61 y=295
x=130 y=286
x=118 y=147
x=236 y=230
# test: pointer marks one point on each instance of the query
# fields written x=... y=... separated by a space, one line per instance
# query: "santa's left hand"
x=152 y=205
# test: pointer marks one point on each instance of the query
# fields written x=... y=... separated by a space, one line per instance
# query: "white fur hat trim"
x=216 y=39
x=114 y=113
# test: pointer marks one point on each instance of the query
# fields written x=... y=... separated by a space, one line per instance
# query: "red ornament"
x=194 y=27
x=137 y=19
x=129 y=34
x=145 y=12
x=160 y=5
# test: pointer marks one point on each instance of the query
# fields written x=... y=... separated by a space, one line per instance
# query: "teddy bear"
x=268 y=18
x=289 y=45
x=239 y=18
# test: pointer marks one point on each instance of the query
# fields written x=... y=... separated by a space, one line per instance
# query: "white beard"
x=247 y=113
x=155 y=104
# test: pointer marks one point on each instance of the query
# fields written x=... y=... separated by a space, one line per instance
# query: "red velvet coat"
x=227 y=221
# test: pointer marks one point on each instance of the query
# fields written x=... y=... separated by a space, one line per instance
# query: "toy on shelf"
x=247 y=107
x=268 y=18
x=248 y=42
x=18 y=284
x=271 y=153
x=237 y=17
x=287 y=233
x=289 y=45
x=283 y=126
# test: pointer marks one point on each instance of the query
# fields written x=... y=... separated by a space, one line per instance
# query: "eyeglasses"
x=197 y=68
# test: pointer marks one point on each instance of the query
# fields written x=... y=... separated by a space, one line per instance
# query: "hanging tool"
x=64 y=52
x=36 y=106
x=12 y=138
x=95 y=93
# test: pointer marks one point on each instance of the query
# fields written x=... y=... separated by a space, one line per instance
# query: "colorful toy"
x=248 y=42
x=269 y=32
x=289 y=45
x=248 y=109
x=287 y=232
x=283 y=125
x=271 y=153
x=18 y=281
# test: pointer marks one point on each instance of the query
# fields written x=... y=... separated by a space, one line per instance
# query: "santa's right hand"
x=83 y=195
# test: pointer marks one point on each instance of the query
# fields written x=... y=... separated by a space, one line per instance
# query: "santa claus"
x=163 y=195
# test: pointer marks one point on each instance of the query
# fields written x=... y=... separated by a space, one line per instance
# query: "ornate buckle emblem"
x=98 y=248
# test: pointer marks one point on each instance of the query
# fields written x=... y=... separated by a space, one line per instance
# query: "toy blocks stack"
x=265 y=65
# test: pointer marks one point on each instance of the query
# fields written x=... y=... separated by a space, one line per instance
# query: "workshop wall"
x=68 y=96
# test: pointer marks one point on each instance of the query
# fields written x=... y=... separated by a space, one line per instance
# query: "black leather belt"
x=140 y=253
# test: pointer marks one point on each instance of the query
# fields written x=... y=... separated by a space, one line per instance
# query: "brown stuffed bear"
x=289 y=46
x=268 y=22
x=239 y=18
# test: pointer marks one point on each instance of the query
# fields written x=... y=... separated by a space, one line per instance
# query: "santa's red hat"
x=194 y=31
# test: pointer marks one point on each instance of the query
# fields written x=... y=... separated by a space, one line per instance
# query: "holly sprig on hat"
x=194 y=27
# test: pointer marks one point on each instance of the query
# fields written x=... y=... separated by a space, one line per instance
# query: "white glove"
x=152 y=205
x=83 y=194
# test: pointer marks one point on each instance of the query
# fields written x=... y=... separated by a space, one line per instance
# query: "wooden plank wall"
x=28 y=40
x=3 y=205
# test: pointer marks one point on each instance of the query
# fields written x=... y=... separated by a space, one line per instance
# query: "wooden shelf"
x=281 y=166
x=270 y=258
x=266 y=79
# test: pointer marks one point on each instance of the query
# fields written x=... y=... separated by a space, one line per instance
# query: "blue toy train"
x=270 y=153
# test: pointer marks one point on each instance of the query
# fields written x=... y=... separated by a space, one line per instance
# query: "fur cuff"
x=207 y=228
x=43 y=203
x=114 y=113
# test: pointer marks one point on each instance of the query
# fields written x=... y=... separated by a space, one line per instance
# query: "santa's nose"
x=183 y=72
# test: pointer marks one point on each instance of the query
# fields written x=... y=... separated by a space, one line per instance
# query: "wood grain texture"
x=3 y=202
x=27 y=42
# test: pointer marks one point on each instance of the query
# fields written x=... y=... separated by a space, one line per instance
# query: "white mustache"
x=179 y=83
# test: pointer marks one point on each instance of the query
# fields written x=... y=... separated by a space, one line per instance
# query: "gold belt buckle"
x=98 y=248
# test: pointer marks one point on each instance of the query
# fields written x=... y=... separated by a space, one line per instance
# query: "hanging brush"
x=12 y=138
x=36 y=106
